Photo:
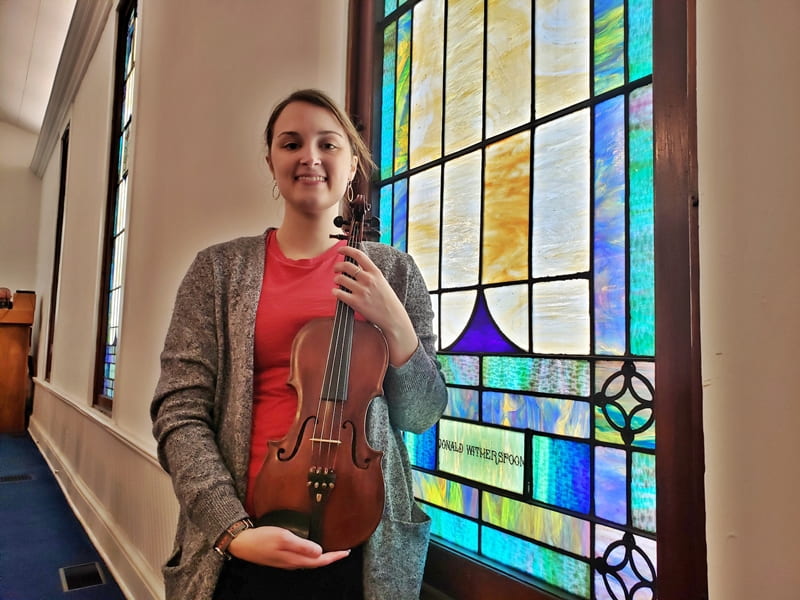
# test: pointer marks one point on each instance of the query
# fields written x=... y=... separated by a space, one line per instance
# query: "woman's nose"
x=310 y=158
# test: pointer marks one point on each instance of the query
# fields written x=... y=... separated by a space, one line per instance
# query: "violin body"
x=323 y=481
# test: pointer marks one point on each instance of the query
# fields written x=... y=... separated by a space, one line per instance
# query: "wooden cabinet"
x=15 y=342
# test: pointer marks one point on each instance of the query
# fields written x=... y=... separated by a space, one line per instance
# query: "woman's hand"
x=372 y=296
x=278 y=547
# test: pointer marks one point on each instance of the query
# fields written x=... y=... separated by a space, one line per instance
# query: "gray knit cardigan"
x=202 y=412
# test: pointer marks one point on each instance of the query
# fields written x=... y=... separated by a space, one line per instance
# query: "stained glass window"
x=118 y=204
x=515 y=144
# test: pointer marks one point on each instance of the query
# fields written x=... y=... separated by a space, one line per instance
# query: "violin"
x=323 y=481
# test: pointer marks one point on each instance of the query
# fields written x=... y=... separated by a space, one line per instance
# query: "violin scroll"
x=358 y=211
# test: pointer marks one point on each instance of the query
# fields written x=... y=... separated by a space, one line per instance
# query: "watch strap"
x=224 y=540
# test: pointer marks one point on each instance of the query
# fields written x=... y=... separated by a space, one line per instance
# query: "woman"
x=223 y=388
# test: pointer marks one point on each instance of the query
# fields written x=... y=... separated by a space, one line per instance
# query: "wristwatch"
x=224 y=540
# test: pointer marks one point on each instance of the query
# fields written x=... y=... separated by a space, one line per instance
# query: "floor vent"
x=13 y=478
x=81 y=576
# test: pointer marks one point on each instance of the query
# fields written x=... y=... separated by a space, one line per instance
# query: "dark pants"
x=242 y=580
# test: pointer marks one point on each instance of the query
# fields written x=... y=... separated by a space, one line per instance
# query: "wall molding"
x=101 y=420
x=85 y=29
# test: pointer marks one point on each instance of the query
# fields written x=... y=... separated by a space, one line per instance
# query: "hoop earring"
x=276 y=192
x=349 y=193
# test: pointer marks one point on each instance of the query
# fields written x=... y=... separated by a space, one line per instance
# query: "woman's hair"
x=318 y=98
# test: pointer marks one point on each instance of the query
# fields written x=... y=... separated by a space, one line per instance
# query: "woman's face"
x=310 y=158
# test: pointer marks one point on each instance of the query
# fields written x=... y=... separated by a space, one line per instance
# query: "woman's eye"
x=329 y=146
x=291 y=145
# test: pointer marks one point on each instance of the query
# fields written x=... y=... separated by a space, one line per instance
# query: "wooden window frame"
x=680 y=515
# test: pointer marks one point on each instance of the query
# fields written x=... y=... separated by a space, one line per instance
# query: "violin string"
x=355 y=242
x=345 y=346
x=318 y=428
x=322 y=430
x=336 y=377
x=333 y=381
x=334 y=389
x=341 y=340
x=346 y=343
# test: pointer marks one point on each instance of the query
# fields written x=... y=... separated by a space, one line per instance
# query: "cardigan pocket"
x=191 y=576
x=395 y=557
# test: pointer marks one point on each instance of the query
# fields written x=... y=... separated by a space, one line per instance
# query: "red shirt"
x=293 y=292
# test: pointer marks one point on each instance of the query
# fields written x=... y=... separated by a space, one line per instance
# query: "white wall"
x=749 y=152
x=207 y=79
x=19 y=209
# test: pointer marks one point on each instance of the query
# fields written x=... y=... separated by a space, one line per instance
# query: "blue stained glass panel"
x=456 y=530
x=611 y=484
x=129 y=43
x=609 y=227
x=643 y=491
x=422 y=447
x=548 y=415
x=543 y=375
x=642 y=215
x=387 y=101
x=557 y=569
x=609 y=43
x=640 y=38
x=400 y=215
x=385 y=214
x=402 y=93
x=460 y=370
x=462 y=403
x=561 y=473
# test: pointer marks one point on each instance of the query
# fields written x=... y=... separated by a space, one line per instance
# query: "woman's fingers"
x=278 y=547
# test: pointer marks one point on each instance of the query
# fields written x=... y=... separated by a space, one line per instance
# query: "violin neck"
x=337 y=368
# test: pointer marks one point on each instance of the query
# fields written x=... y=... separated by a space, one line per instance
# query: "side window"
x=116 y=212
x=62 y=193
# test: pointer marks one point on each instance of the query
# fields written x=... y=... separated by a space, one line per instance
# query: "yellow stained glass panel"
x=509 y=308
x=464 y=85
x=456 y=310
x=508 y=65
x=461 y=213
x=423 y=226
x=435 y=307
x=554 y=528
x=562 y=54
x=561 y=317
x=505 y=213
x=561 y=203
x=426 y=82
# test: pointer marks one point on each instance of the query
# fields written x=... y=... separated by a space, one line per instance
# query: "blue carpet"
x=39 y=534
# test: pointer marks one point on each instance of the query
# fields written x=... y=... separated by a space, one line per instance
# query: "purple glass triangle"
x=482 y=333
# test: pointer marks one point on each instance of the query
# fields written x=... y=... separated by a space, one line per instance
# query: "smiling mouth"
x=310 y=178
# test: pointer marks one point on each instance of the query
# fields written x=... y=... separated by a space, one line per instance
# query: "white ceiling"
x=32 y=34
